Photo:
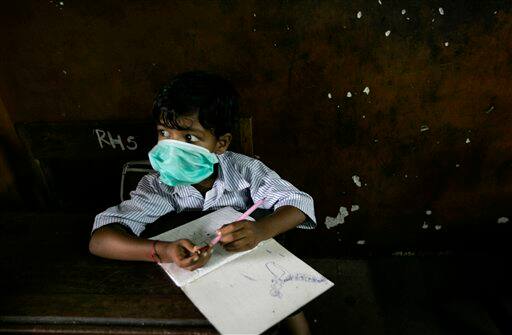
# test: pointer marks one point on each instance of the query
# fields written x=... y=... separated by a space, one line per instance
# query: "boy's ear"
x=223 y=143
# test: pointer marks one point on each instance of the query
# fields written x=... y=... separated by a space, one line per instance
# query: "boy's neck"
x=206 y=185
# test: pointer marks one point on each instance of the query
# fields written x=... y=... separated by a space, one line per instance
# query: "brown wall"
x=104 y=60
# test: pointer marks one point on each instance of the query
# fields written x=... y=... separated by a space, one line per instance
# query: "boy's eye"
x=191 y=138
x=164 y=133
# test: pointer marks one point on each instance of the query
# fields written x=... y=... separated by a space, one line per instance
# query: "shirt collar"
x=185 y=191
x=229 y=175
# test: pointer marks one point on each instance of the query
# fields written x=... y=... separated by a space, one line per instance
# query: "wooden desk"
x=51 y=284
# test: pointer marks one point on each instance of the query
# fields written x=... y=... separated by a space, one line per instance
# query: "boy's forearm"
x=284 y=218
x=113 y=242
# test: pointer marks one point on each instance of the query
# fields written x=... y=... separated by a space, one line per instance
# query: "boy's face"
x=194 y=133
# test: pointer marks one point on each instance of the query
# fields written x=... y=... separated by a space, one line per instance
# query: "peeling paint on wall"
x=427 y=75
x=356 y=180
x=339 y=219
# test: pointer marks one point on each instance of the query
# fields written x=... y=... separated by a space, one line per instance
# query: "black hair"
x=211 y=96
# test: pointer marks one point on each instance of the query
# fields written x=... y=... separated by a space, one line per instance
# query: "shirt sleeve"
x=278 y=192
x=146 y=204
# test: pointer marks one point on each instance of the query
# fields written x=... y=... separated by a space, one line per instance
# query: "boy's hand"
x=240 y=235
x=184 y=254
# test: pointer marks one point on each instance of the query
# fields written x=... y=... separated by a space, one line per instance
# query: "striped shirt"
x=241 y=181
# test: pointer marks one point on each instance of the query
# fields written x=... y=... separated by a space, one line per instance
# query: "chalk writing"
x=280 y=276
x=105 y=138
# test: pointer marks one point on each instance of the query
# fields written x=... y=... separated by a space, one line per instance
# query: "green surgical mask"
x=181 y=163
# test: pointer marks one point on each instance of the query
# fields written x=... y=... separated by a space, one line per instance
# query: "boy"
x=194 y=115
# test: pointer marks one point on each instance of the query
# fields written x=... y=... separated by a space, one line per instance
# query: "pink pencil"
x=242 y=217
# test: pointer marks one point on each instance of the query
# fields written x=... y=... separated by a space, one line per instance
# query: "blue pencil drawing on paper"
x=280 y=276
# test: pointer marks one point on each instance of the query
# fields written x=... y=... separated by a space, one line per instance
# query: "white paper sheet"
x=200 y=232
x=254 y=292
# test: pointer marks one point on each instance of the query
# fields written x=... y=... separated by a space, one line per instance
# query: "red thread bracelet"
x=155 y=253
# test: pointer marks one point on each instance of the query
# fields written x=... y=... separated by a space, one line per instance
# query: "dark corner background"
x=399 y=117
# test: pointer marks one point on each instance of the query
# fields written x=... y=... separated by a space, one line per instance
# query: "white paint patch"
x=356 y=180
x=404 y=11
x=339 y=219
x=361 y=242
x=364 y=116
x=349 y=95
x=380 y=2
x=502 y=219
x=446 y=44
x=254 y=14
x=64 y=71
x=61 y=3
x=457 y=165
x=387 y=33
x=424 y=128
x=407 y=18
x=495 y=12
x=437 y=227
x=359 y=14
x=366 y=90
x=428 y=212
x=425 y=225
x=441 y=10
x=354 y=208
x=467 y=140
x=329 y=95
